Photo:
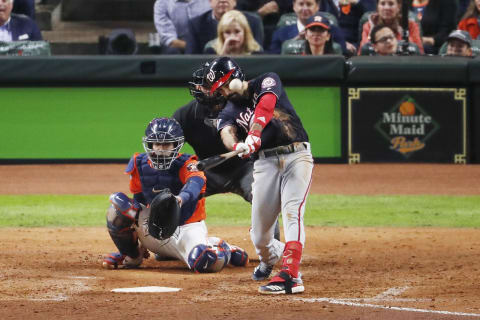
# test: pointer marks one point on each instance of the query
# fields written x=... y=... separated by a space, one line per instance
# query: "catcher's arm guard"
x=164 y=215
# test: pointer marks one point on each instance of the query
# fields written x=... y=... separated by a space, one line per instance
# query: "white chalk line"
x=348 y=302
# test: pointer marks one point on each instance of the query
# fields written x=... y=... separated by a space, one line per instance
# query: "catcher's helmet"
x=209 y=100
x=220 y=71
x=164 y=131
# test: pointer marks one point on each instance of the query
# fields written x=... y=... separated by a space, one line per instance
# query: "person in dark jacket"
x=437 y=20
x=15 y=27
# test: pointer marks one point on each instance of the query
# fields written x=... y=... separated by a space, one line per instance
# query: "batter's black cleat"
x=262 y=272
x=283 y=283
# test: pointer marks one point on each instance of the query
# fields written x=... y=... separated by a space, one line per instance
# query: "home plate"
x=147 y=289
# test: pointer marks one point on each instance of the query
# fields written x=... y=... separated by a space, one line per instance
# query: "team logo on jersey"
x=192 y=167
x=268 y=83
x=211 y=76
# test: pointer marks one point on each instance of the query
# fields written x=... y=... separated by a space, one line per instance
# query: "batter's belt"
x=290 y=148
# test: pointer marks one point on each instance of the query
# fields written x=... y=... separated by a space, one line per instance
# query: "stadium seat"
x=290 y=18
x=294 y=46
x=25 y=48
x=367 y=48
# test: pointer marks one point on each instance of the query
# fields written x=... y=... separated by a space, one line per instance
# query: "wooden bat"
x=214 y=161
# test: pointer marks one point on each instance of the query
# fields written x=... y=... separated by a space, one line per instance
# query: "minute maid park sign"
x=406 y=126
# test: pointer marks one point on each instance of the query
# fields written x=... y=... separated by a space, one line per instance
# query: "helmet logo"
x=211 y=76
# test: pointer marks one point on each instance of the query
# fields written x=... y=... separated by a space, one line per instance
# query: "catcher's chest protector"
x=153 y=179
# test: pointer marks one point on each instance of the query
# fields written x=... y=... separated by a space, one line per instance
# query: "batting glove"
x=243 y=147
x=253 y=141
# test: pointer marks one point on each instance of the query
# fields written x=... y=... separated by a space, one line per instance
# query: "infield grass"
x=231 y=210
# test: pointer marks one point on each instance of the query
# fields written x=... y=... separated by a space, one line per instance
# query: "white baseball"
x=236 y=85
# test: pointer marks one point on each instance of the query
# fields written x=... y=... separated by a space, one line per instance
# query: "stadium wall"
x=94 y=108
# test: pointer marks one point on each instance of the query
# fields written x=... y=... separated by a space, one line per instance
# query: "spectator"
x=437 y=19
x=234 y=36
x=171 y=21
x=270 y=12
x=469 y=20
x=384 y=41
x=15 y=27
x=317 y=35
x=26 y=7
x=459 y=44
x=304 y=9
x=389 y=13
x=349 y=16
x=203 y=28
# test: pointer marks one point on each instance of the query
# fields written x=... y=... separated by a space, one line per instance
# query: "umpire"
x=198 y=121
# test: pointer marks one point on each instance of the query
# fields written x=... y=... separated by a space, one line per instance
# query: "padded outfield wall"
x=95 y=109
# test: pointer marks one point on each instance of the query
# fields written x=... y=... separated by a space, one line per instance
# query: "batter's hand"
x=253 y=141
x=243 y=147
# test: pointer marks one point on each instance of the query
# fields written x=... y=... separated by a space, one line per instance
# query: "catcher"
x=171 y=224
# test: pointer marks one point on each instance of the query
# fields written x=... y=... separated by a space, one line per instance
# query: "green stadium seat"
x=367 y=48
x=25 y=48
x=287 y=19
x=294 y=46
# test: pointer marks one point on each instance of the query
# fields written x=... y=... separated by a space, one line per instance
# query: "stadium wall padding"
x=121 y=93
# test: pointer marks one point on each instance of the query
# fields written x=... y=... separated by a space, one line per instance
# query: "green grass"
x=231 y=210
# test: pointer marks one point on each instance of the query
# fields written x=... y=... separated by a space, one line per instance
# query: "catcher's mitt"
x=164 y=215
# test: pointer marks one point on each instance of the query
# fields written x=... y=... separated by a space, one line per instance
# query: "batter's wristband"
x=256 y=133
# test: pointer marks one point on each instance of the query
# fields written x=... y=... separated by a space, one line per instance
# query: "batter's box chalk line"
x=352 y=303
x=147 y=289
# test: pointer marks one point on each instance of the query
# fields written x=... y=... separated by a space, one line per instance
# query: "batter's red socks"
x=292 y=254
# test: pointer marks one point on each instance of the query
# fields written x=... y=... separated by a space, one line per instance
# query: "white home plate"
x=147 y=289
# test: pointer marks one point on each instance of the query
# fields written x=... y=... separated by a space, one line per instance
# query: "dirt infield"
x=349 y=273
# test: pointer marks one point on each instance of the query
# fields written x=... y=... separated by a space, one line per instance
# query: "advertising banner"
x=407 y=125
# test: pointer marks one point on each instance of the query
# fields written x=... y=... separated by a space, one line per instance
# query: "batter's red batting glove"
x=243 y=147
x=253 y=140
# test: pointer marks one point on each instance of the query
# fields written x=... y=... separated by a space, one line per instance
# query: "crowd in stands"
x=306 y=27
x=317 y=27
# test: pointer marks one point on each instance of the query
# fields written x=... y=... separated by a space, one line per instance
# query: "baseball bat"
x=214 y=161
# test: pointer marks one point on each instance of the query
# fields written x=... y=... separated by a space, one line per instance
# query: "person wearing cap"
x=383 y=40
x=459 y=43
x=317 y=35
x=304 y=9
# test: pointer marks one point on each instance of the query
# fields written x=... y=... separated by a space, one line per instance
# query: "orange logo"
x=402 y=145
x=407 y=108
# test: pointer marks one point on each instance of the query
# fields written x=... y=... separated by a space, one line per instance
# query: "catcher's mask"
x=165 y=131
x=164 y=215
x=203 y=97
x=220 y=71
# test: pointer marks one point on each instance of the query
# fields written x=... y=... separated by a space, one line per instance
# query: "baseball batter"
x=283 y=165
x=198 y=120
x=163 y=168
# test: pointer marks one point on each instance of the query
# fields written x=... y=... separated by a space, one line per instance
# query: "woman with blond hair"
x=469 y=20
x=234 y=36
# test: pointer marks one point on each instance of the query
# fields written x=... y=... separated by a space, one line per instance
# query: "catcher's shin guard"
x=120 y=217
x=204 y=258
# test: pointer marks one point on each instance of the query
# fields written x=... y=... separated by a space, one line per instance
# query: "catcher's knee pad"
x=203 y=258
x=120 y=217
